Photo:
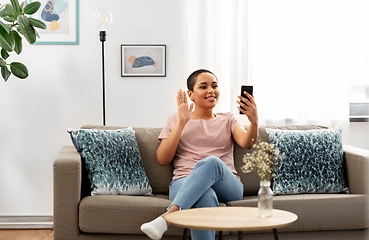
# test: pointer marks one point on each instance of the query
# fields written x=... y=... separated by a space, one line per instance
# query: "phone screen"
x=248 y=89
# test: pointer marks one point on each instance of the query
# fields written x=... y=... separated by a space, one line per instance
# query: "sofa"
x=78 y=215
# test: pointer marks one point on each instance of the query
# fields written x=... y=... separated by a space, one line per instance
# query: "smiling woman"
x=199 y=143
x=205 y=92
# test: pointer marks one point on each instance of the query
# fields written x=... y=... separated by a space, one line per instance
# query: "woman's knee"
x=175 y=186
x=208 y=199
x=211 y=161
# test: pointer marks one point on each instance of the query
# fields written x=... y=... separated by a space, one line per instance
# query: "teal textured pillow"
x=112 y=160
x=313 y=161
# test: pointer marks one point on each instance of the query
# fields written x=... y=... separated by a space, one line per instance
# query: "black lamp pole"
x=103 y=39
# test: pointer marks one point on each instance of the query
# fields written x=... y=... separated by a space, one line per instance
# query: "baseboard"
x=26 y=222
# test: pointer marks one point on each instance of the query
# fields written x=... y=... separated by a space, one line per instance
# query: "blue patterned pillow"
x=313 y=162
x=112 y=160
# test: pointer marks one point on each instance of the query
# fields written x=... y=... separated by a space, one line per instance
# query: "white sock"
x=155 y=229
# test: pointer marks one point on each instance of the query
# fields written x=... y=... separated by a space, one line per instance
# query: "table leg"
x=275 y=234
x=240 y=235
x=184 y=234
x=220 y=236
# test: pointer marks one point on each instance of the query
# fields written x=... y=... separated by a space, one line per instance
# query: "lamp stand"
x=103 y=39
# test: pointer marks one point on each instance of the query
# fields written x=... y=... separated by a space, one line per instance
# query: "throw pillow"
x=313 y=161
x=112 y=160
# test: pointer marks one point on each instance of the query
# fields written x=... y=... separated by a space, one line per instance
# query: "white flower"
x=264 y=159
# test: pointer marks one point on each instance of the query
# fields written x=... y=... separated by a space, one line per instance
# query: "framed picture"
x=62 y=20
x=143 y=60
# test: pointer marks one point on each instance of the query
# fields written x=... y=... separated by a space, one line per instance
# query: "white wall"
x=64 y=91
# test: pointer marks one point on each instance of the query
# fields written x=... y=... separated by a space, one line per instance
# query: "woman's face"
x=205 y=91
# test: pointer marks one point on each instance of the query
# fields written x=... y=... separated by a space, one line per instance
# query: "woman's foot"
x=155 y=229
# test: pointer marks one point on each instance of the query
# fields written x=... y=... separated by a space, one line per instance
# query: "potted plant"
x=15 y=23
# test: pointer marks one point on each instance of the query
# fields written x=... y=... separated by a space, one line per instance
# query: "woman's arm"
x=246 y=139
x=168 y=147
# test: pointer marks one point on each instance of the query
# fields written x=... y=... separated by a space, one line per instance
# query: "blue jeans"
x=209 y=183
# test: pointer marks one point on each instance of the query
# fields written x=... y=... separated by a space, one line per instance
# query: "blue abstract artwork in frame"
x=62 y=20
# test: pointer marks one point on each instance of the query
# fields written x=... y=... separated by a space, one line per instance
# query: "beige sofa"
x=77 y=216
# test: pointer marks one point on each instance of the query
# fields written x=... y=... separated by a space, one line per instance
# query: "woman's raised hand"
x=184 y=112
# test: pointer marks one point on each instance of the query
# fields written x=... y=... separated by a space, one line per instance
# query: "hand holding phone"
x=249 y=90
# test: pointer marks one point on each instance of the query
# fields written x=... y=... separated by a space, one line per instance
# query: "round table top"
x=229 y=219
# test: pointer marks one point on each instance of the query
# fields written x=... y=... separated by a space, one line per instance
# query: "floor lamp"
x=103 y=18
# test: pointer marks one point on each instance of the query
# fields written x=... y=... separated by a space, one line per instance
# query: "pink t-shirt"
x=201 y=139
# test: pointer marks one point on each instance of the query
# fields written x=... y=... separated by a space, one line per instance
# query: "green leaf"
x=4 y=13
x=5 y=26
x=23 y=4
x=6 y=40
x=16 y=6
x=19 y=70
x=4 y=54
x=37 y=23
x=22 y=20
x=2 y=62
x=9 y=19
x=32 y=7
x=5 y=73
x=10 y=10
x=29 y=33
x=18 y=42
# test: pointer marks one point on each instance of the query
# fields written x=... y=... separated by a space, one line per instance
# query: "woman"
x=200 y=144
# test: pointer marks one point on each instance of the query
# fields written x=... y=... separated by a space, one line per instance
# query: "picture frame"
x=143 y=60
x=62 y=20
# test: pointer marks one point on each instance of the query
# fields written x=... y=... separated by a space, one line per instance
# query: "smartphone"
x=249 y=90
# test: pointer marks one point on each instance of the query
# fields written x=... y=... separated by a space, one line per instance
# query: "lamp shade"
x=103 y=18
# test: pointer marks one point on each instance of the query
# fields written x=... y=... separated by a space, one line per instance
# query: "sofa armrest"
x=356 y=162
x=67 y=193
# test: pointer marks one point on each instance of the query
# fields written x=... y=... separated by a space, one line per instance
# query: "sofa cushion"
x=159 y=176
x=251 y=181
x=113 y=161
x=313 y=161
x=147 y=141
x=122 y=214
x=318 y=212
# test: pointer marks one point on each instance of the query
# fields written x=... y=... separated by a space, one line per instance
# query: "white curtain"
x=300 y=56
x=216 y=39
x=303 y=57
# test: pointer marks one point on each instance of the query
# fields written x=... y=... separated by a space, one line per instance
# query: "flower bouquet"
x=264 y=160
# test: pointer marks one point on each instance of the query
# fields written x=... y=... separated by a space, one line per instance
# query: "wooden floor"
x=47 y=234
x=44 y=234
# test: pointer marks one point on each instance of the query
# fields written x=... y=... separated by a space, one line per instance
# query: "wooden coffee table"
x=229 y=219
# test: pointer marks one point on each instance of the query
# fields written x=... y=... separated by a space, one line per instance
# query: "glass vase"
x=265 y=200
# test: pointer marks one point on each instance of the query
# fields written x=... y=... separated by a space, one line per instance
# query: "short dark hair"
x=191 y=80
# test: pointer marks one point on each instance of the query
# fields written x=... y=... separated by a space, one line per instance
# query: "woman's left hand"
x=248 y=107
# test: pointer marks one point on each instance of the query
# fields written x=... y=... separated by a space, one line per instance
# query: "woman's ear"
x=189 y=93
